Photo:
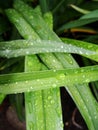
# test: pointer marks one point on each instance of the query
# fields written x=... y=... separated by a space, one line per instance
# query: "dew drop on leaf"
x=49 y=97
x=60 y=77
x=27 y=52
x=16 y=83
x=83 y=76
x=54 y=70
x=54 y=61
x=54 y=85
x=95 y=115
x=90 y=46
x=62 y=47
x=26 y=81
x=41 y=83
x=61 y=124
x=28 y=90
x=52 y=102
x=31 y=87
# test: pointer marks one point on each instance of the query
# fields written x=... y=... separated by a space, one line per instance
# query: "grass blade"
x=33 y=100
x=27 y=47
x=44 y=5
x=83 y=11
x=84 y=45
x=80 y=75
x=85 y=19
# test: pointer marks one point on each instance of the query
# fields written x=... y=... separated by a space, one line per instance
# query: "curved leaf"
x=27 y=47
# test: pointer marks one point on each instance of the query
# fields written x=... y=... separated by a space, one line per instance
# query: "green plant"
x=47 y=67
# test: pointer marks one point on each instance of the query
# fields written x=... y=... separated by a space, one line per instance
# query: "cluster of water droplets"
x=27 y=47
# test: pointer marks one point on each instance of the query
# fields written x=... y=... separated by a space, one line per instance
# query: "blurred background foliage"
x=63 y=13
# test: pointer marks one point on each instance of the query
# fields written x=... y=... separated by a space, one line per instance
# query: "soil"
x=71 y=116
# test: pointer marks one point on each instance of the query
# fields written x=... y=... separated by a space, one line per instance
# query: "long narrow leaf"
x=27 y=47
x=83 y=11
x=36 y=80
x=85 y=19
x=33 y=100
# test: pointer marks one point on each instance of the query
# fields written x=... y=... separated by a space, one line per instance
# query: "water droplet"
x=54 y=70
x=95 y=115
x=62 y=47
x=7 y=51
x=38 y=80
x=82 y=70
x=28 y=90
x=49 y=97
x=31 y=87
x=80 y=52
x=52 y=102
x=27 y=52
x=16 y=83
x=41 y=83
x=26 y=81
x=60 y=76
x=15 y=92
x=54 y=85
x=83 y=76
x=54 y=61
x=61 y=124
x=87 y=80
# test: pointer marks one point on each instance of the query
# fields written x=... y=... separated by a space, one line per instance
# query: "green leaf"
x=92 y=14
x=37 y=80
x=79 y=9
x=18 y=20
x=44 y=6
x=85 y=19
x=27 y=47
x=85 y=45
x=33 y=100
x=48 y=19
